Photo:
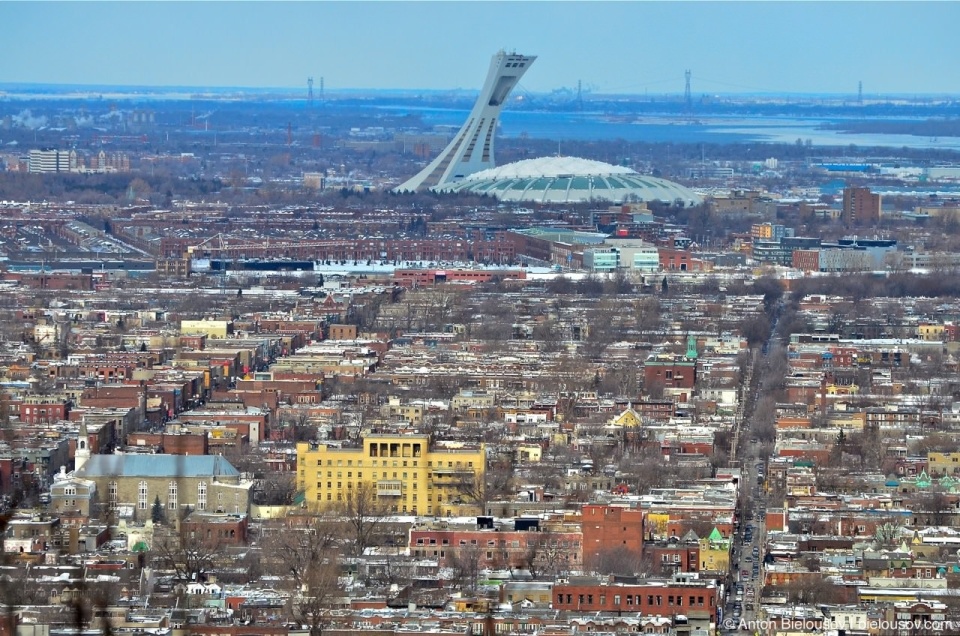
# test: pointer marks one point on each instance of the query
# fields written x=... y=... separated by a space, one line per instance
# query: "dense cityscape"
x=488 y=363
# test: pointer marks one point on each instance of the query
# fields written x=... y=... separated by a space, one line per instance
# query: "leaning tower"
x=471 y=150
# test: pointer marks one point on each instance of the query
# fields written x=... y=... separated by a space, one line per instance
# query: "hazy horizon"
x=614 y=48
x=295 y=92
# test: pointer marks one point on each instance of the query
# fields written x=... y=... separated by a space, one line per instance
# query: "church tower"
x=82 y=454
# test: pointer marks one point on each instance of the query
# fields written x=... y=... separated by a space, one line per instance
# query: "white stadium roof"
x=571 y=180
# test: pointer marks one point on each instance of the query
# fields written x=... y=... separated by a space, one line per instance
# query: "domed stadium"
x=571 y=180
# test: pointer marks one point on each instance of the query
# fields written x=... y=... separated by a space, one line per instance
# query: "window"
x=201 y=496
x=70 y=491
x=142 y=495
x=112 y=490
x=172 y=496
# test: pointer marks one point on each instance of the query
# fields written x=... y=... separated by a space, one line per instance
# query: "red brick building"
x=670 y=374
x=860 y=207
x=669 y=557
x=696 y=599
x=343 y=332
x=610 y=530
x=412 y=278
x=215 y=529
x=806 y=260
x=171 y=444
x=36 y=409
x=677 y=260
x=549 y=549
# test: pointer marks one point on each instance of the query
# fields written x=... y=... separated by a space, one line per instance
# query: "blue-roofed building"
x=196 y=482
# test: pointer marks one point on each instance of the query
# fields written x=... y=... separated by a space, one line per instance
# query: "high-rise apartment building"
x=860 y=207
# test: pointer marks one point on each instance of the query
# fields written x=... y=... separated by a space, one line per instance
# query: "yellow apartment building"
x=943 y=463
x=214 y=329
x=407 y=473
x=714 y=553
x=931 y=332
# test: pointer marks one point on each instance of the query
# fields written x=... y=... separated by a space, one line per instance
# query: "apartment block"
x=409 y=473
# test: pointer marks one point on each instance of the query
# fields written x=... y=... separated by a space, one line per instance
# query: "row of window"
x=652 y=600
x=393 y=463
x=143 y=500
x=407 y=497
x=503 y=544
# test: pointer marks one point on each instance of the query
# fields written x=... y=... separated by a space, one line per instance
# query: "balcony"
x=390 y=488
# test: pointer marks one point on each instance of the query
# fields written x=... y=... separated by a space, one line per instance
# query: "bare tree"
x=646 y=469
x=307 y=558
x=275 y=489
x=363 y=513
x=625 y=563
x=815 y=589
x=465 y=562
x=189 y=555
x=646 y=315
x=545 y=555
x=468 y=489
x=936 y=506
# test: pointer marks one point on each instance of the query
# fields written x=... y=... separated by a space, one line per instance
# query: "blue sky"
x=622 y=47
